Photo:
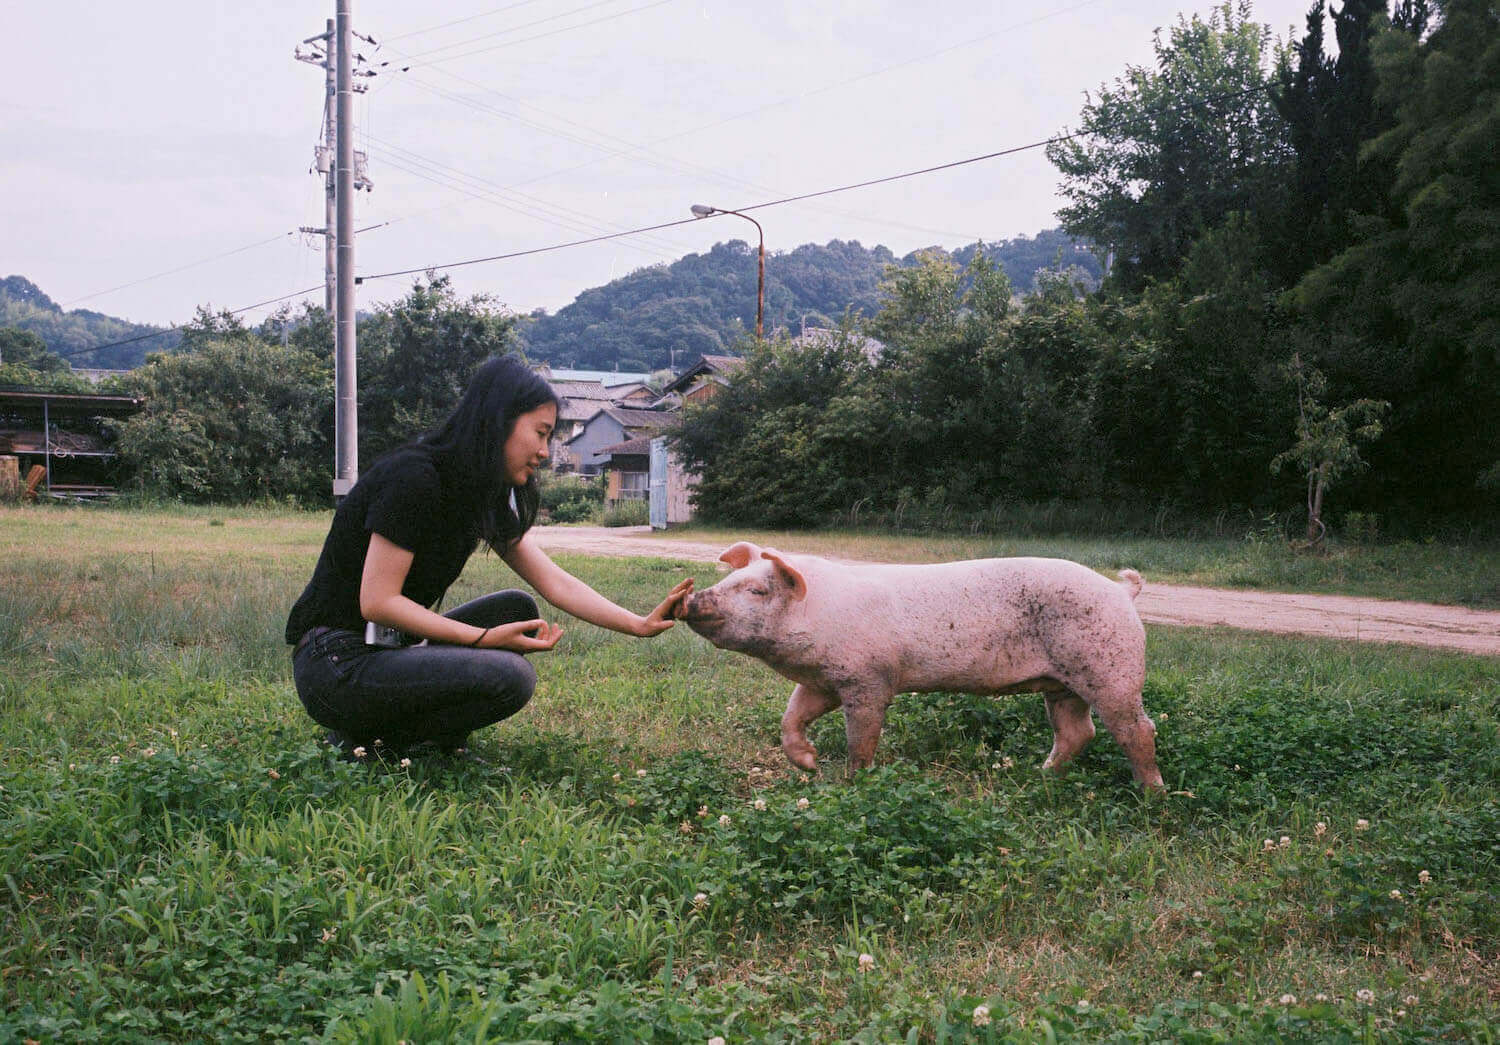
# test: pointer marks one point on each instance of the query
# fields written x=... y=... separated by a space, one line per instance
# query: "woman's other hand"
x=527 y=636
x=661 y=618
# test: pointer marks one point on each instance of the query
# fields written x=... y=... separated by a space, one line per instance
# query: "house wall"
x=602 y=431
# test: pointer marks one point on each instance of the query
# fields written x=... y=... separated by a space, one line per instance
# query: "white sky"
x=141 y=138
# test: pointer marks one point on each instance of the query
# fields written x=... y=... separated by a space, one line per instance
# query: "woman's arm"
x=380 y=600
x=571 y=595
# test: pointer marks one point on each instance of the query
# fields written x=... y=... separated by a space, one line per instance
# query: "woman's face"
x=526 y=446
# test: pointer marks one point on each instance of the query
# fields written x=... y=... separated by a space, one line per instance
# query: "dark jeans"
x=416 y=693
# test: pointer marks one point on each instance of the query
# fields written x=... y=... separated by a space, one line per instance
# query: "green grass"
x=181 y=861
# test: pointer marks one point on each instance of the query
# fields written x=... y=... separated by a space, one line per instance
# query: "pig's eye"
x=758 y=590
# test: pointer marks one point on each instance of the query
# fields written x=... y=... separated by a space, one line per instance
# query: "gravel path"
x=1325 y=616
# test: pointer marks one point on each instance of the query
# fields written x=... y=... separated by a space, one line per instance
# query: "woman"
x=372 y=662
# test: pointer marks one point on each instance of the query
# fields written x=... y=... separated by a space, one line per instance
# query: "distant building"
x=609 y=426
x=69 y=437
x=702 y=379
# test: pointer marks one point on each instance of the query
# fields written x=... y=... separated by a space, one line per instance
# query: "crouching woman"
x=371 y=660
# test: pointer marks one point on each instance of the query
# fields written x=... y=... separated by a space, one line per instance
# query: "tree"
x=797 y=436
x=1415 y=298
x=1328 y=439
x=1166 y=154
x=1328 y=103
x=416 y=357
x=232 y=420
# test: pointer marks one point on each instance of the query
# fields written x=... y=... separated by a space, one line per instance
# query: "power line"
x=542 y=36
x=681 y=166
x=180 y=268
x=460 y=21
x=1013 y=150
x=513 y=29
x=168 y=330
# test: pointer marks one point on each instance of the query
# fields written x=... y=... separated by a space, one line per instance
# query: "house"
x=646 y=469
x=609 y=426
x=702 y=379
x=581 y=399
x=69 y=436
x=627 y=470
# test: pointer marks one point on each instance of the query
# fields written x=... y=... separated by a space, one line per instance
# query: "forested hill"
x=701 y=303
x=70 y=334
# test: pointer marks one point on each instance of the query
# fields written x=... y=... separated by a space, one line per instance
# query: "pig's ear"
x=789 y=573
x=740 y=555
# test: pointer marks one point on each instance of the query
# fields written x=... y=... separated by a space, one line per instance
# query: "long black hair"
x=469 y=449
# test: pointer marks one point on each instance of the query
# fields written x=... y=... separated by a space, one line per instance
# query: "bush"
x=628 y=513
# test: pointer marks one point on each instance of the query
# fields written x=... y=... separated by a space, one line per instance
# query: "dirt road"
x=1325 y=616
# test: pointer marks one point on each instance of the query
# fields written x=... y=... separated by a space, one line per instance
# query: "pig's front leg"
x=864 y=718
x=806 y=704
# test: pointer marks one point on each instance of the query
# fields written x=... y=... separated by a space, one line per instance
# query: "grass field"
x=181 y=861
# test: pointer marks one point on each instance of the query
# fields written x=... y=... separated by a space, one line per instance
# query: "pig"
x=853 y=635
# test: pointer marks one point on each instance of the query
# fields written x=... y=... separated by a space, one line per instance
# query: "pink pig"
x=855 y=634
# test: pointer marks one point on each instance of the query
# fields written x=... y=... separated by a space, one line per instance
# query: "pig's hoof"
x=802 y=755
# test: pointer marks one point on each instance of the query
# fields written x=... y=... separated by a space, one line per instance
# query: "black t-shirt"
x=402 y=498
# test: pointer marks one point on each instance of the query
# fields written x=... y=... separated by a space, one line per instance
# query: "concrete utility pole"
x=345 y=408
x=337 y=160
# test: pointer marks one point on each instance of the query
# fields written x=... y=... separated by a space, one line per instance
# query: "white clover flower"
x=1365 y=996
x=273 y=774
x=1007 y=763
x=803 y=803
x=1400 y=1014
x=1267 y=846
x=1410 y=1001
x=760 y=804
x=114 y=760
x=1320 y=997
x=1286 y=841
x=1395 y=894
x=1361 y=824
x=702 y=812
x=866 y=962
x=640 y=773
x=981 y=1015
x=379 y=742
x=329 y=933
x=1423 y=877
x=724 y=820
x=686 y=827
x=1289 y=999
x=700 y=901
x=1319 y=829
x=616 y=778
x=716 y=1040
x=360 y=752
x=406 y=763
x=1197 y=974
x=1083 y=1005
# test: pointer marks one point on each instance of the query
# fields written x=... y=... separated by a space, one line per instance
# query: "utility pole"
x=341 y=167
x=345 y=407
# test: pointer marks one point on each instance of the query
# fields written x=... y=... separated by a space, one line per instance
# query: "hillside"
x=701 y=303
x=69 y=334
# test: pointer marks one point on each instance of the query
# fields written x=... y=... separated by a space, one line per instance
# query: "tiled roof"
x=630 y=446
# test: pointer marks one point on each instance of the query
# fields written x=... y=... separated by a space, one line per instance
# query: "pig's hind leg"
x=1072 y=728
x=805 y=705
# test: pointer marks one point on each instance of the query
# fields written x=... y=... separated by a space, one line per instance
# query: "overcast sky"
x=143 y=138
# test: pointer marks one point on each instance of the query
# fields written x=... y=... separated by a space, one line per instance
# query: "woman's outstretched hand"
x=527 y=636
x=661 y=618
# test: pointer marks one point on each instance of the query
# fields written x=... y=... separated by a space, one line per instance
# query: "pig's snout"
x=700 y=612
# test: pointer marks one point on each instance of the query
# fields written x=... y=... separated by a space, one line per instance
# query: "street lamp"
x=702 y=211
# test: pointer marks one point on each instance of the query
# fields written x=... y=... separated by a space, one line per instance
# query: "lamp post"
x=702 y=211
